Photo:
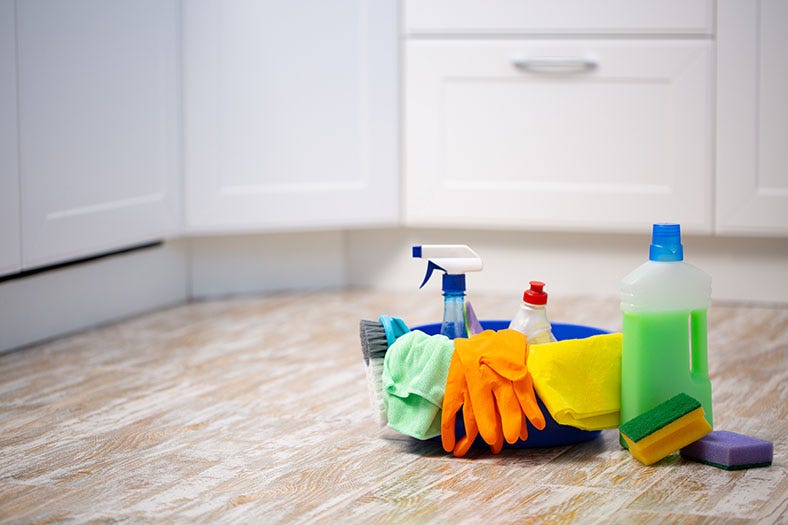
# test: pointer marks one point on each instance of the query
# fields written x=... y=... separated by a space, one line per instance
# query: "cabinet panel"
x=10 y=249
x=290 y=114
x=752 y=118
x=559 y=16
x=558 y=134
x=98 y=103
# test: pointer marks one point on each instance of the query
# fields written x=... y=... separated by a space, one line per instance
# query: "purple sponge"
x=730 y=451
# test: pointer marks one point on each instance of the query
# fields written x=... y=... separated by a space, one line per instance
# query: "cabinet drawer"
x=598 y=134
x=559 y=16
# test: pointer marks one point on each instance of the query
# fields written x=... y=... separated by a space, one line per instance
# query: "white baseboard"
x=249 y=264
x=742 y=269
x=76 y=297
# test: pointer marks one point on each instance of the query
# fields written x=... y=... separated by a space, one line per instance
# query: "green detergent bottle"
x=664 y=303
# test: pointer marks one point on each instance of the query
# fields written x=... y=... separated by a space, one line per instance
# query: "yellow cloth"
x=579 y=380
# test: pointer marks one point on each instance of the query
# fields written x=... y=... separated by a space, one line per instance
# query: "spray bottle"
x=664 y=303
x=454 y=260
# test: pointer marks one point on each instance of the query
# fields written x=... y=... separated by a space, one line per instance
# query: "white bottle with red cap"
x=531 y=318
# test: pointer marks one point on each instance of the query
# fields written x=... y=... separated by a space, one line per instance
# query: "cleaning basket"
x=553 y=434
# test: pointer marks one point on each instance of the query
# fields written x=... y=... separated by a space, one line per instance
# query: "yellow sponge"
x=665 y=428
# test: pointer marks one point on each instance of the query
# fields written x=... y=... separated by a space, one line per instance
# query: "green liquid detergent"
x=664 y=353
x=664 y=348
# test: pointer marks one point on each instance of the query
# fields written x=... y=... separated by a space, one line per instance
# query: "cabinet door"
x=752 y=117
x=290 y=114
x=98 y=124
x=10 y=249
x=559 y=134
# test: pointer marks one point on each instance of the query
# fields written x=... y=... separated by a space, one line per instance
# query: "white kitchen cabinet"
x=98 y=113
x=752 y=117
x=10 y=248
x=606 y=134
x=290 y=114
x=553 y=17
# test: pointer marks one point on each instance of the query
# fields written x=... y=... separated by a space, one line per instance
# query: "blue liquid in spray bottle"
x=453 y=324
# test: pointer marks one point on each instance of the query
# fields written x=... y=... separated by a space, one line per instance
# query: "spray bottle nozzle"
x=431 y=267
x=452 y=259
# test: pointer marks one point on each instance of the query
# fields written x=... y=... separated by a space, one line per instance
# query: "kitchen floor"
x=256 y=410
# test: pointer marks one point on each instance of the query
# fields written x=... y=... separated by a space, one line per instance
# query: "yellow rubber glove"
x=499 y=385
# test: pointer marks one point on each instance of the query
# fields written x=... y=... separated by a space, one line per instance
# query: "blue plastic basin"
x=553 y=434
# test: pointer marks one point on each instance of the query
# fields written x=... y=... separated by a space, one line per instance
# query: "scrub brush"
x=374 y=346
x=376 y=338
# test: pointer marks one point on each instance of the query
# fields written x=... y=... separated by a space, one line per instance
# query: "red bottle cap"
x=535 y=295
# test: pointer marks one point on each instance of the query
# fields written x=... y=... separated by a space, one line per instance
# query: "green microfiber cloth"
x=414 y=381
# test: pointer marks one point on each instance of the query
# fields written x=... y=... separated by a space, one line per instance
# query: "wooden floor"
x=256 y=410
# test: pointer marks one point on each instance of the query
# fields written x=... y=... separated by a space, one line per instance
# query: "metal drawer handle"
x=555 y=65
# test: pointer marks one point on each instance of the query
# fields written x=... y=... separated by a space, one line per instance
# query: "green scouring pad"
x=665 y=428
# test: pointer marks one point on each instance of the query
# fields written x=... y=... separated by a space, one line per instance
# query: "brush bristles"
x=373 y=339
x=362 y=334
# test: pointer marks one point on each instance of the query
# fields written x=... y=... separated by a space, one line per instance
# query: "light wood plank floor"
x=256 y=410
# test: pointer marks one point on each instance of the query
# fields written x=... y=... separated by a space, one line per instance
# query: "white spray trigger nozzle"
x=452 y=259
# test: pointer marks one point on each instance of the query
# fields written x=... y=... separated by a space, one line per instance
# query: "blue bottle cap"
x=666 y=243
x=453 y=283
